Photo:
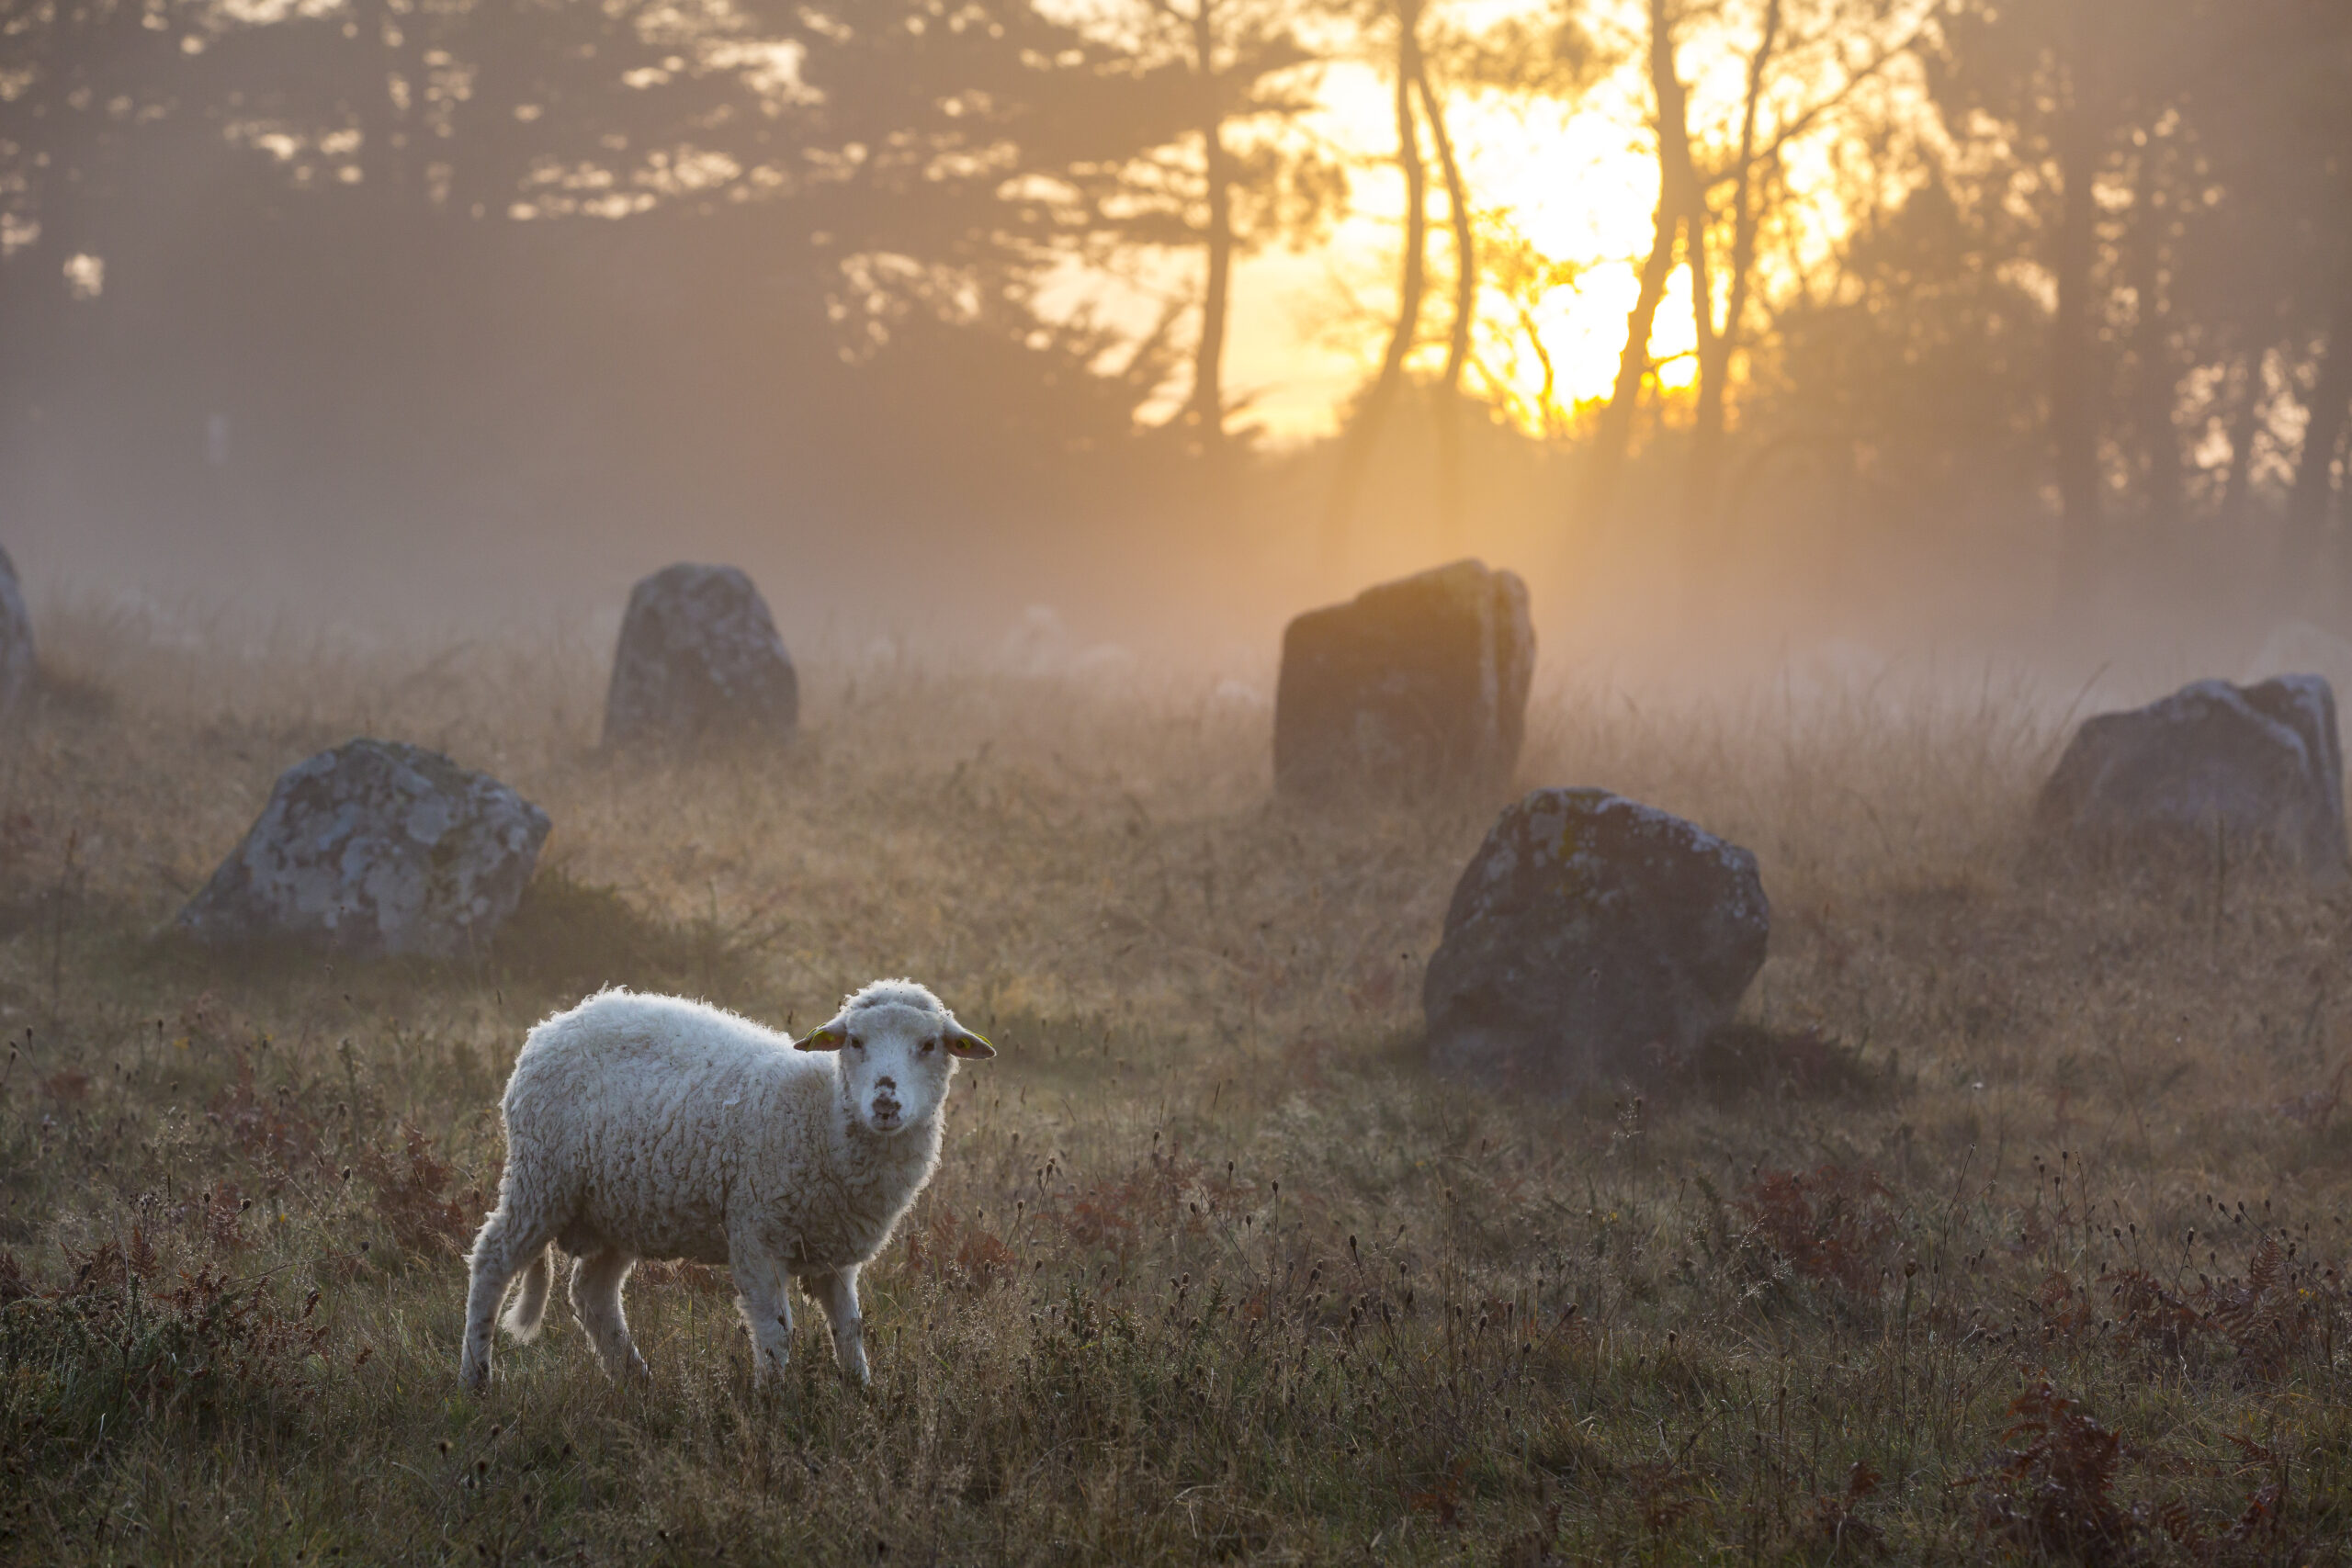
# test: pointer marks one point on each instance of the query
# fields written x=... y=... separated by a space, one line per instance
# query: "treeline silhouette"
x=294 y=274
x=388 y=263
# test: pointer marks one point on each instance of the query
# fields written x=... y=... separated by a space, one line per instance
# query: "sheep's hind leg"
x=837 y=1294
x=596 y=1281
x=504 y=1245
x=766 y=1306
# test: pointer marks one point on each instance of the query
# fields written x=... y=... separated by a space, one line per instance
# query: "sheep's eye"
x=928 y=1044
x=856 y=1044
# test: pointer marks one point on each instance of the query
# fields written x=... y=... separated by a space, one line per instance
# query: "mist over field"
x=438 y=319
x=1866 y=393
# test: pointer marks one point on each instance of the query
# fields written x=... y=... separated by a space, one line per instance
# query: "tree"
x=1243 y=77
x=1363 y=432
x=2064 y=86
x=1465 y=310
x=1523 y=279
x=1612 y=433
x=2293 y=128
x=1807 y=63
x=1547 y=57
x=458 y=261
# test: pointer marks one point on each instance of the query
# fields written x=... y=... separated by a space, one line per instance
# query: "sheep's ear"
x=832 y=1037
x=962 y=1042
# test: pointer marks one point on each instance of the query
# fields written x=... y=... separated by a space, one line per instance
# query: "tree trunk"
x=1355 y=450
x=2074 y=425
x=2239 y=476
x=1679 y=180
x=1614 y=432
x=1448 y=410
x=1208 y=392
x=2155 y=382
x=1706 y=447
x=1717 y=345
x=372 y=62
x=2309 y=502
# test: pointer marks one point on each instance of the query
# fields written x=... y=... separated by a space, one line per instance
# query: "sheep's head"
x=898 y=1045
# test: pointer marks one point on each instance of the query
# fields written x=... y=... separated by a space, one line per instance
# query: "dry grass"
x=2011 y=1222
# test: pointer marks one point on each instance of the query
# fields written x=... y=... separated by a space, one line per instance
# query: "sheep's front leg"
x=767 y=1309
x=837 y=1294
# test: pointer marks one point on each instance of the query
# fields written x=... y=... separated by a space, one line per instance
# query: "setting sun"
x=1570 y=180
x=1577 y=182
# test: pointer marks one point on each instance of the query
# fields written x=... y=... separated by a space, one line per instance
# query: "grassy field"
x=2010 y=1224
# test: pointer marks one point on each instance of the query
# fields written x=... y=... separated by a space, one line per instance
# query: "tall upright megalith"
x=700 y=661
x=1413 y=688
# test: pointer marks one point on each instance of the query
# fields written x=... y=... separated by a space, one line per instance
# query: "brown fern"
x=2054 y=1493
x=411 y=1194
x=2265 y=1315
x=1836 y=1222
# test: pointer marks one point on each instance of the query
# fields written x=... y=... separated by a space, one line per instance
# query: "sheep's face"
x=895 y=1061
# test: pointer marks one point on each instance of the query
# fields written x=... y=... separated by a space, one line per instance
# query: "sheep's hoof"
x=476 y=1379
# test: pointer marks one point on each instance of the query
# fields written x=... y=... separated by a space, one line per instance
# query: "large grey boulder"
x=700 y=659
x=2253 y=774
x=17 y=664
x=1415 y=687
x=376 y=848
x=1590 y=939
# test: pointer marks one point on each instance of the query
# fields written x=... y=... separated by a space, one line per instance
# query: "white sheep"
x=642 y=1126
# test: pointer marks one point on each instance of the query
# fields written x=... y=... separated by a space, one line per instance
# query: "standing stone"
x=2245 y=774
x=1592 y=938
x=1415 y=687
x=700 y=659
x=17 y=663
x=376 y=848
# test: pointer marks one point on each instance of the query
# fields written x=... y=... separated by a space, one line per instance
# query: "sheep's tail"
x=530 y=1307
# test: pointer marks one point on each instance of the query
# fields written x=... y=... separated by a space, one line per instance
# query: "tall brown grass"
x=2008 y=1224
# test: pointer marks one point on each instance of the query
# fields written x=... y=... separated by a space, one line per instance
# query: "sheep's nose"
x=885 y=1085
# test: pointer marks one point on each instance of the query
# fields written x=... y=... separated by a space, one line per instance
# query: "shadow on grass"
x=565 y=938
x=1736 y=1064
x=1741 y=1060
x=73 y=695
x=569 y=935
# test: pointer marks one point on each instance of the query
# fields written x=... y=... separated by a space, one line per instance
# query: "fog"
x=396 y=324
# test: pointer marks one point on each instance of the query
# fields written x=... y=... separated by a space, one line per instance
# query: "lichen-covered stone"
x=376 y=848
x=17 y=663
x=700 y=661
x=1415 y=687
x=2245 y=775
x=1591 y=939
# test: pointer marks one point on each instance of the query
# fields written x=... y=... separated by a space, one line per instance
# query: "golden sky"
x=1579 y=182
x=1572 y=181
